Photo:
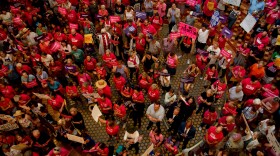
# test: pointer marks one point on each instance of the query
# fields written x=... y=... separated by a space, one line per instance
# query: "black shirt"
x=119 y=9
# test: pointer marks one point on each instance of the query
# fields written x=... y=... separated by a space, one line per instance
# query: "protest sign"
x=54 y=46
x=62 y=11
x=75 y=138
x=215 y=19
x=88 y=38
x=233 y=2
x=174 y=35
x=149 y=150
x=141 y=15
x=248 y=23
x=278 y=40
x=227 y=32
x=42 y=96
x=114 y=19
x=226 y=54
x=96 y=113
x=223 y=19
x=187 y=30
x=73 y=26
x=273 y=141
x=202 y=52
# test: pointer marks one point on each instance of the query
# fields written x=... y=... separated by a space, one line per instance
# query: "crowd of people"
x=58 y=56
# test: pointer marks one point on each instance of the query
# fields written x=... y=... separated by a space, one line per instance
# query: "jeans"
x=136 y=146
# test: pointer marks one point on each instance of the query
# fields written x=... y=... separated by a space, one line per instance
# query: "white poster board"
x=233 y=2
x=149 y=150
x=75 y=138
x=248 y=23
x=96 y=113
x=42 y=96
x=272 y=140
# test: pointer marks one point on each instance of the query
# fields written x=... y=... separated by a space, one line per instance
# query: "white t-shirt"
x=235 y=96
x=47 y=60
x=202 y=36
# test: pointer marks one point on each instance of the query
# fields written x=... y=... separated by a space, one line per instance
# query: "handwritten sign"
x=114 y=19
x=215 y=19
x=88 y=38
x=174 y=35
x=73 y=26
x=96 y=113
x=187 y=30
x=75 y=138
x=141 y=15
x=226 y=54
x=273 y=141
x=233 y=2
x=248 y=23
x=227 y=32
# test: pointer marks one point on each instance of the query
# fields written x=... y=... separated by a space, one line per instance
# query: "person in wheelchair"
x=188 y=79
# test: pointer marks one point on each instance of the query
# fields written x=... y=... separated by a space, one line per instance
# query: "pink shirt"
x=155 y=139
x=161 y=9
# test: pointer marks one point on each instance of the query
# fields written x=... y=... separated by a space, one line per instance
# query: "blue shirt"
x=55 y=85
x=255 y=5
x=173 y=19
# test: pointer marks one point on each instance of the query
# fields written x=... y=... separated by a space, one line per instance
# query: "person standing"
x=202 y=37
x=148 y=5
x=173 y=16
x=155 y=114
x=131 y=136
x=186 y=132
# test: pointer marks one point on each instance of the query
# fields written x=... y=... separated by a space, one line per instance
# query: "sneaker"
x=199 y=128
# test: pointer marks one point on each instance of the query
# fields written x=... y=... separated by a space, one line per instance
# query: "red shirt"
x=250 y=88
x=244 y=51
x=35 y=59
x=87 y=90
x=272 y=17
x=110 y=60
x=5 y=104
x=138 y=97
x=126 y=92
x=24 y=99
x=209 y=118
x=213 y=136
x=101 y=72
x=156 y=22
x=72 y=17
x=106 y=91
x=104 y=103
x=221 y=88
x=56 y=102
x=112 y=130
x=8 y=92
x=153 y=94
x=222 y=42
x=24 y=68
x=260 y=40
x=58 y=36
x=211 y=74
x=121 y=110
x=229 y=126
x=77 y=40
x=145 y=82
x=90 y=65
x=268 y=92
x=238 y=72
x=119 y=82
x=148 y=28
x=229 y=110
x=3 y=70
x=3 y=34
x=140 y=44
x=70 y=90
x=206 y=10
x=83 y=78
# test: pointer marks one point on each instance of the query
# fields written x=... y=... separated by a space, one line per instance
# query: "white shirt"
x=235 y=96
x=165 y=82
x=133 y=136
x=130 y=62
x=217 y=52
x=202 y=36
x=159 y=114
x=169 y=98
x=30 y=38
x=6 y=17
x=47 y=60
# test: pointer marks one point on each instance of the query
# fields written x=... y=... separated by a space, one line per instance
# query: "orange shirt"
x=257 y=72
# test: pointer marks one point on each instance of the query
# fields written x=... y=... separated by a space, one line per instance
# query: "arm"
x=102 y=120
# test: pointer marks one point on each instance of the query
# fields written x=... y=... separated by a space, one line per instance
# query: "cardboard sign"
x=273 y=141
x=88 y=38
x=141 y=15
x=42 y=96
x=174 y=35
x=215 y=19
x=191 y=3
x=62 y=11
x=278 y=40
x=73 y=26
x=55 y=46
x=248 y=23
x=96 y=113
x=114 y=19
x=233 y=2
x=226 y=54
x=223 y=19
x=227 y=32
x=187 y=30
x=75 y=138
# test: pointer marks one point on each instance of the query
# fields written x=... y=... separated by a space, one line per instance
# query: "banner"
x=88 y=38
x=174 y=35
x=191 y=3
x=233 y=2
x=226 y=54
x=215 y=19
x=273 y=141
x=187 y=30
x=42 y=96
x=114 y=19
x=227 y=32
x=248 y=23
x=141 y=15
x=73 y=26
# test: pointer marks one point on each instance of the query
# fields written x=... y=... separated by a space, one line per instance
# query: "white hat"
x=257 y=101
